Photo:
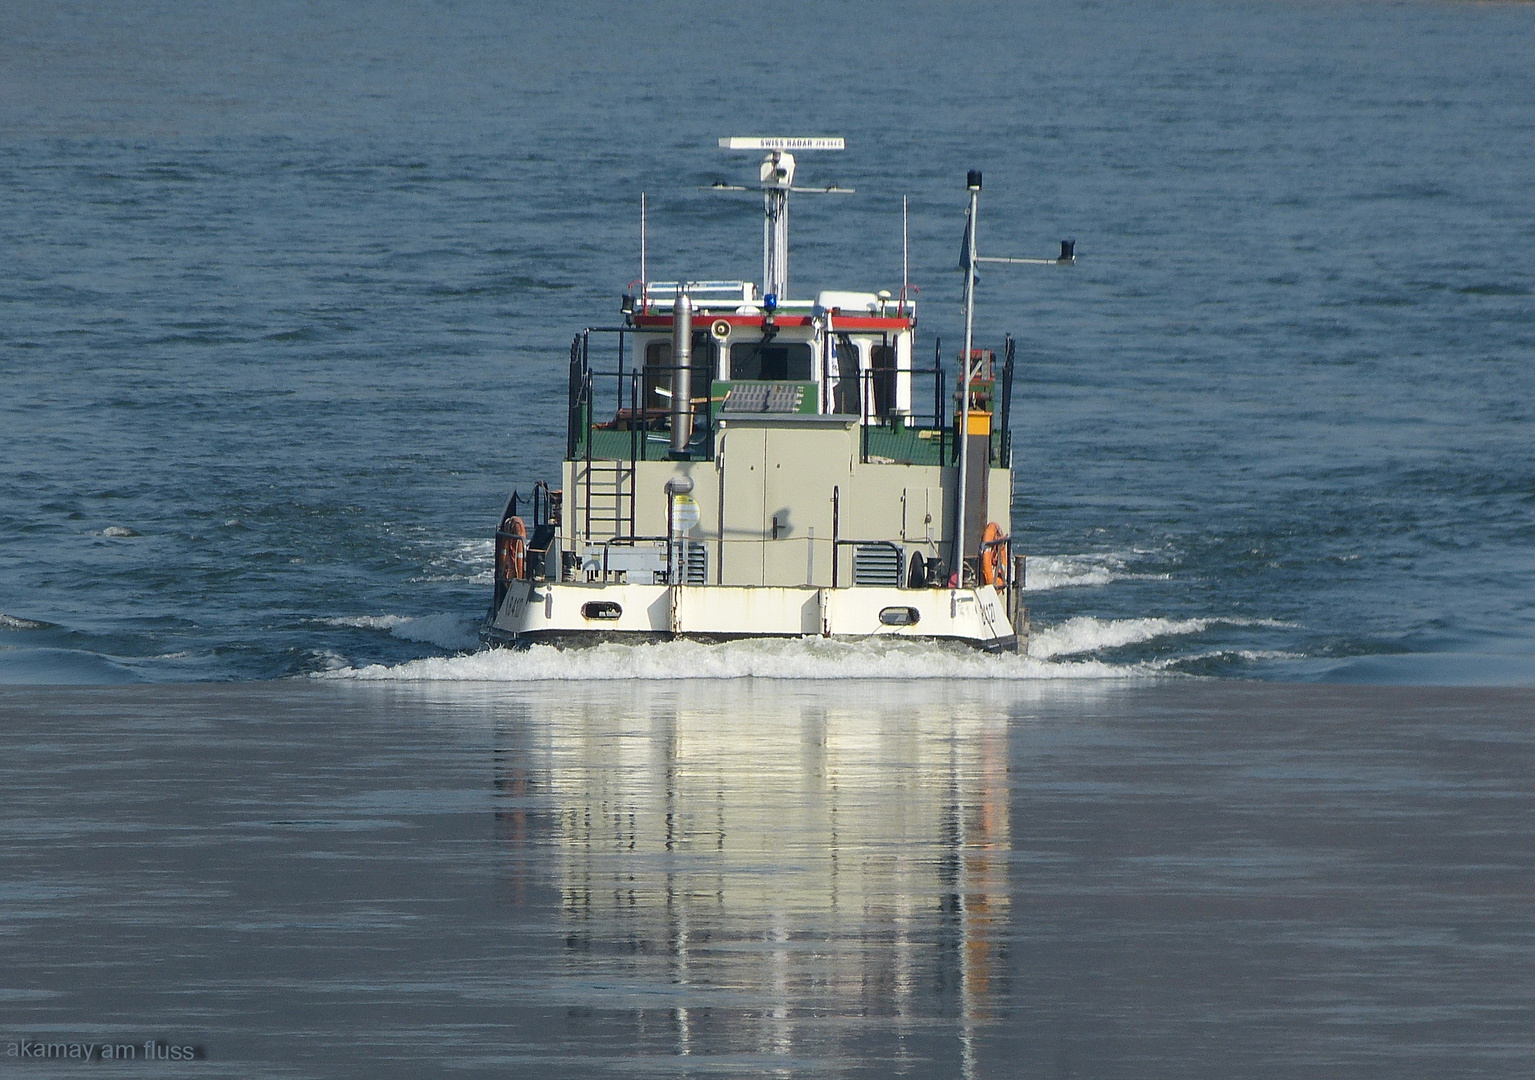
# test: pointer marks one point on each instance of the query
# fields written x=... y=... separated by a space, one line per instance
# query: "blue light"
x=770 y=302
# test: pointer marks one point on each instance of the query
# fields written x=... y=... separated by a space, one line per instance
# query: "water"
x=288 y=292
x=286 y=300
x=1052 y=879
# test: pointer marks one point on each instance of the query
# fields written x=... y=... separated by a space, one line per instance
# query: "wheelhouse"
x=842 y=354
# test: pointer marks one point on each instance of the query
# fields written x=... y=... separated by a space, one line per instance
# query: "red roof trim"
x=839 y=322
x=868 y=322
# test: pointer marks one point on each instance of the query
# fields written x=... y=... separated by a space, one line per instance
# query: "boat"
x=743 y=464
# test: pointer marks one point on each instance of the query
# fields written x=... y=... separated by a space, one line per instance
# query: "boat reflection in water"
x=762 y=873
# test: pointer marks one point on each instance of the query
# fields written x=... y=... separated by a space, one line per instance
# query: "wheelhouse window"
x=882 y=381
x=846 y=377
x=768 y=360
x=658 y=371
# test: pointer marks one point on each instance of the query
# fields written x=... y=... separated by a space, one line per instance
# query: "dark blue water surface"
x=288 y=289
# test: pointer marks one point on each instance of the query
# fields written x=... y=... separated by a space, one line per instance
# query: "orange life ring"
x=511 y=550
x=994 y=555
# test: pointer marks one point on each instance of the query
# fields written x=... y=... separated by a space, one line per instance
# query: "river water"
x=1048 y=879
x=287 y=295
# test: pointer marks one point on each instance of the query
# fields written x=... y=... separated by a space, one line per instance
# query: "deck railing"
x=639 y=431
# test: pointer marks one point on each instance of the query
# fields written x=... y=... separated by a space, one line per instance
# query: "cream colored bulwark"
x=732 y=611
x=975 y=615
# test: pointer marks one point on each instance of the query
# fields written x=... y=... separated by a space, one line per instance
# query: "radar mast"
x=777 y=179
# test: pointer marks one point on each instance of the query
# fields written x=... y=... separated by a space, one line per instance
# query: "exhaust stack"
x=682 y=371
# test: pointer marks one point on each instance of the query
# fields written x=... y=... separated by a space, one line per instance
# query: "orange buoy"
x=511 y=550
x=994 y=555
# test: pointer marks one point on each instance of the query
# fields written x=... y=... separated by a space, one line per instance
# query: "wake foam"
x=1061 y=651
x=796 y=658
x=1085 y=634
x=449 y=631
x=12 y=622
x=462 y=560
x=1044 y=572
x=802 y=658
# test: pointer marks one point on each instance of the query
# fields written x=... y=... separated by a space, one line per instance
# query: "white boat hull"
x=574 y=613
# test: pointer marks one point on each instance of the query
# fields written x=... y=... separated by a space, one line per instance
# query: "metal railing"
x=1005 y=419
x=943 y=420
x=876 y=417
x=631 y=383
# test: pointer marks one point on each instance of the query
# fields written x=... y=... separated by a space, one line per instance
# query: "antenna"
x=905 y=253
x=777 y=179
x=644 y=287
x=967 y=262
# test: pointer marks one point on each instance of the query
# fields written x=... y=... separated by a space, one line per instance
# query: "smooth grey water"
x=762 y=879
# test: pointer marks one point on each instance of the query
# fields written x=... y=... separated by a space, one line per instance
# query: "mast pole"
x=644 y=288
x=777 y=178
x=905 y=254
x=767 y=243
x=973 y=182
x=775 y=242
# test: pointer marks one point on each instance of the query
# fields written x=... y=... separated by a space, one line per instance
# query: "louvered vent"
x=877 y=564
x=698 y=563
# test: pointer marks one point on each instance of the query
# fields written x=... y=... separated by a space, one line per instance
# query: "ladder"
x=606 y=499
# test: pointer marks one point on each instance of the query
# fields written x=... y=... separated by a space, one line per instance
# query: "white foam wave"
x=329 y=659
x=12 y=622
x=368 y=622
x=463 y=560
x=797 y=659
x=1247 y=655
x=1085 y=634
x=447 y=631
x=1075 y=571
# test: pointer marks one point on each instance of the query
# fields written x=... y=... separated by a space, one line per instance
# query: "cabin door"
x=802 y=468
x=742 y=496
x=777 y=484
